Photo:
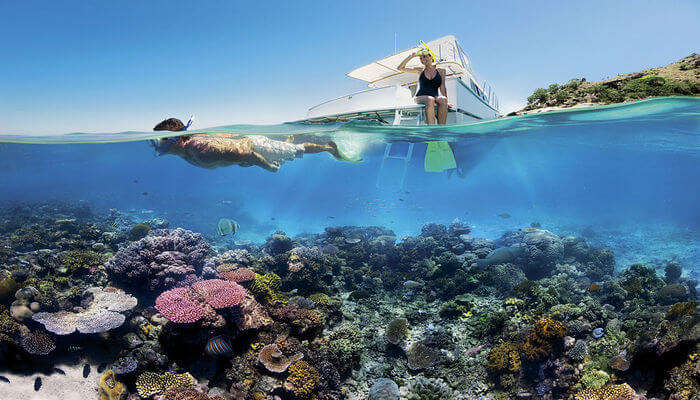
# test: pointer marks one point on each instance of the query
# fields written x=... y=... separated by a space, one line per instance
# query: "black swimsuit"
x=429 y=87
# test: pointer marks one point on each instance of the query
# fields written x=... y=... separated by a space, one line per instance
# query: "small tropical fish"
x=37 y=384
x=412 y=284
x=86 y=370
x=145 y=193
x=331 y=217
x=136 y=181
x=226 y=201
x=218 y=346
x=2 y=378
x=101 y=368
x=594 y=287
x=227 y=226
x=75 y=348
x=60 y=371
x=114 y=225
x=504 y=215
x=352 y=240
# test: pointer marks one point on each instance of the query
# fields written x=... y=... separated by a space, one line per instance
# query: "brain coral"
x=384 y=389
x=540 y=250
x=161 y=259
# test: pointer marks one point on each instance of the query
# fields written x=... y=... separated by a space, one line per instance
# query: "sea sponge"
x=109 y=387
x=609 y=392
x=302 y=379
x=504 y=357
x=397 y=330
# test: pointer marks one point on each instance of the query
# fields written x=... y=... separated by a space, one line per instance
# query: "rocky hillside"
x=681 y=78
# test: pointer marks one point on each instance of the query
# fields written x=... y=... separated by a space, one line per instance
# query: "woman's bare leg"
x=442 y=110
x=429 y=102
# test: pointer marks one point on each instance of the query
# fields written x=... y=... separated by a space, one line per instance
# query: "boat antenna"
x=395 y=35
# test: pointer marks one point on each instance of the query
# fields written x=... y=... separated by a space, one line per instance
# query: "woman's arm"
x=443 y=88
x=402 y=66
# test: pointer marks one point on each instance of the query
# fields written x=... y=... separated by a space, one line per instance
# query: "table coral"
x=187 y=305
x=609 y=392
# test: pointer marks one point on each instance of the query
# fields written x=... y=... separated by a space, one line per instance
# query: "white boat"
x=389 y=98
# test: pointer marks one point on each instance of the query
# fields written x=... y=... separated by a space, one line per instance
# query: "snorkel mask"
x=426 y=50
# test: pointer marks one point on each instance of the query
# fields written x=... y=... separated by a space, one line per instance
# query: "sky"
x=94 y=66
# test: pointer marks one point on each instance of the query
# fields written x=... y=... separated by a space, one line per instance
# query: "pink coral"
x=219 y=293
x=177 y=306
x=239 y=275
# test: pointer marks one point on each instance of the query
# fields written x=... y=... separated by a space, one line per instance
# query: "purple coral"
x=161 y=259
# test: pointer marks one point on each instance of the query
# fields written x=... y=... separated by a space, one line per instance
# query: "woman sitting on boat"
x=431 y=78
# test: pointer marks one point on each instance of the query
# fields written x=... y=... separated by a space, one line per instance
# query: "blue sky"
x=96 y=66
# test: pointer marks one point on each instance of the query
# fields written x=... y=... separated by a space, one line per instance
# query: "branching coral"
x=505 y=357
x=238 y=275
x=302 y=379
x=81 y=260
x=189 y=305
x=546 y=333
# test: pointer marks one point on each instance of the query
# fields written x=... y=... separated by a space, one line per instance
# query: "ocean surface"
x=623 y=176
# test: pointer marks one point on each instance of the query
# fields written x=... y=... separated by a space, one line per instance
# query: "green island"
x=681 y=78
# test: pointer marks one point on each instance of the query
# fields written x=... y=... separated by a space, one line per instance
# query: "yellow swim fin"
x=439 y=157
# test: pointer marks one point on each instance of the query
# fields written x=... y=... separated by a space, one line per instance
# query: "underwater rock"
x=20 y=312
x=672 y=272
x=540 y=250
x=170 y=124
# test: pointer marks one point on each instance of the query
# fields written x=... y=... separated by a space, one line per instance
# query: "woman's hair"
x=426 y=52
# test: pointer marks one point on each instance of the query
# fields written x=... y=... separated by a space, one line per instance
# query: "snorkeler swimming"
x=214 y=150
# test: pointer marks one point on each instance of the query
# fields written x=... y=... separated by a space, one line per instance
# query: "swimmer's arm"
x=402 y=66
x=261 y=161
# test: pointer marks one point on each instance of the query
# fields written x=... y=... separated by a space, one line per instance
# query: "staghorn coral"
x=397 y=330
x=272 y=358
x=302 y=380
x=609 y=392
x=504 y=357
x=109 y=388
x=161 y=259
x=151 y=383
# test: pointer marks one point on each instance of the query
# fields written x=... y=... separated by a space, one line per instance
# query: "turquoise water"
x=624 y=178
x=625 y=174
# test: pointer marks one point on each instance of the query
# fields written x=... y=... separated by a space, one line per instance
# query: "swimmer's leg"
x=331 y=147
